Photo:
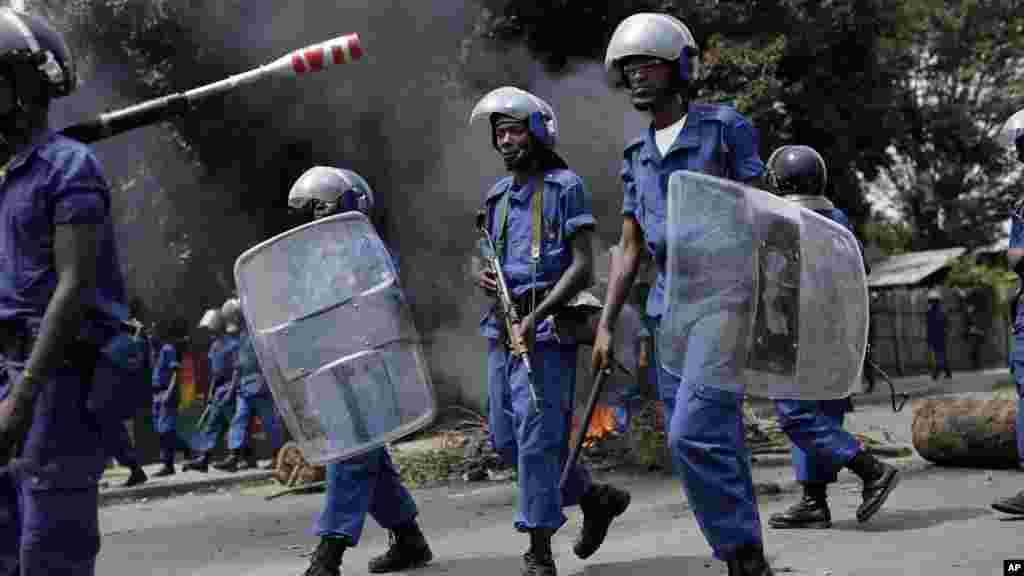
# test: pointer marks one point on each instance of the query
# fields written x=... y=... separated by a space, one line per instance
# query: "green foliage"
x=891 y=237
x=967 y=274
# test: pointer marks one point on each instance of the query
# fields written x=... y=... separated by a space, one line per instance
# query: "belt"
x=524 y=304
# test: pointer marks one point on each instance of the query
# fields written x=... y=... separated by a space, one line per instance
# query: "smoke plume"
x=398 y=117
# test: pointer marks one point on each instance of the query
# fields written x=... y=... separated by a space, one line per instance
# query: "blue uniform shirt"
x=1017 y=241
x=566 y=209
x=247 y=368
x=57 y=181
x=166 y=363
x=716 y=140
x=221 y=356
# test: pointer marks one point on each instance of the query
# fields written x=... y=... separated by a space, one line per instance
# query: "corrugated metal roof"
x=911 y=268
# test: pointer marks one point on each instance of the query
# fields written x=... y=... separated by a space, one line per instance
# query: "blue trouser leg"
x=666 y=387
x=1017 y=359
x=215 y=425
x=239 y=424
x=118 y=443
x=708 y=443
x=263 y=407
x=536 y=443
x=49 y=514
x=367 y=484
x=821 y=447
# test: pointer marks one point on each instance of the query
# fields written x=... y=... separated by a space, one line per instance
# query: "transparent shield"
x=335 y=337
x=764 y=297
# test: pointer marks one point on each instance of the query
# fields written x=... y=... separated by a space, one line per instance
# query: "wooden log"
x=968 y=430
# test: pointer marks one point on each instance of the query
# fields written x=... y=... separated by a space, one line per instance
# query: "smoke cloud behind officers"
x=59 y=278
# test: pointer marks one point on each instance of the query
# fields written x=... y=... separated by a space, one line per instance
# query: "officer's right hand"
x=488 y=281
x=602 y=355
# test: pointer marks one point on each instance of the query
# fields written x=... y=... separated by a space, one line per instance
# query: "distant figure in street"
x=166 y=393
x=937 y=334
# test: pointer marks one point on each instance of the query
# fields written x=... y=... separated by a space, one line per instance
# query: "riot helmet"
x=1012 y=134
x=323 y=190
x=797 y=170
x=509 y=102
x=27 y=40
x=231 y=311
x=660 y=36
x=212 y=320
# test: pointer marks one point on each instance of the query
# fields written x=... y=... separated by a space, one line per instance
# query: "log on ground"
x=969 y=430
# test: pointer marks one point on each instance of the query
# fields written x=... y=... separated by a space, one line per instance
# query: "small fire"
x=602 y=424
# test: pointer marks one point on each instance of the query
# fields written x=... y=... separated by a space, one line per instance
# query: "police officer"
x=166 y=393
x=1013 y=133
x=252 y=397
x=367 y=484
x=540 y=219
x=656 y=58
x=221 y=357
x=821 y=447
x=59 y=271
x=115 y=432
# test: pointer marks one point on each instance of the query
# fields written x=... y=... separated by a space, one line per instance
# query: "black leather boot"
x=200 y=464
x=229 y=464
x=408 y=549
x=538 y=560
x=138 y=476
x=749 y=561
x=326 y=559
x=879 y=481
x=600 y=505
x=810 y=512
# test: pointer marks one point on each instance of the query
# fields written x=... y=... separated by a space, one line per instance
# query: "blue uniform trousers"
x=367 y=484
x=1017 y=361
x=708 y=442
x=222 y=410
x=821 y=447
x=537 y=444
x=118 y=443
x=246 y=407
x=49 y=500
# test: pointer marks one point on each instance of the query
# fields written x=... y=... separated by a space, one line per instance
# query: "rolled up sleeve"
x=746 y=160
x=578 y=211
x=630 y=202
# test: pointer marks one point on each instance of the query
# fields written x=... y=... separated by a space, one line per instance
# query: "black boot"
x=229 y=464
x=326 y=559
x=248 y=461
x=167 y=470
x=200 y=464
x=879 y=480
x=749 y=561
x=810 y=512
x=1012 y=505
x=407 y=549
x=538 y=560
x=138 y=476
x=600 y=505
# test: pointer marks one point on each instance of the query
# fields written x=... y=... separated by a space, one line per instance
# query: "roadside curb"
x=155 y=491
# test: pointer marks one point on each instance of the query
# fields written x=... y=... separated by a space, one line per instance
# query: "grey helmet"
x=28 y=39
x=657 y=35
x=333 y=185
x=231 y=311
x=212 y=320
x=523 y=106
x=1012 y=132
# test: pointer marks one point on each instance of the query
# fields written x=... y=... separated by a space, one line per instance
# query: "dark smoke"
x=398 y=117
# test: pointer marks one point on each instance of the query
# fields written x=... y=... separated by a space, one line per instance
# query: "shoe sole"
x=616 y=512
x=808 y=526
x=1008 y=509
x=867 y=513
x=417 y=564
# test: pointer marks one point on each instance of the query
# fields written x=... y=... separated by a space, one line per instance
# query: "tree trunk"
x=975 y=431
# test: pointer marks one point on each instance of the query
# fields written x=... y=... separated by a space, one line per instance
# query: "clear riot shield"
x=763 y=297
x=335 y=337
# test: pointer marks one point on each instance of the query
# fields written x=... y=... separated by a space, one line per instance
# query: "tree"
x=953 y=180
x=824 y=74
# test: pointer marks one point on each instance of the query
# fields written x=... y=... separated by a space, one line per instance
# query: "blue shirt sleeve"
x=578 y=211
x=630 y=202
x=746 y=160
x=168 y=357
x=79 y=194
